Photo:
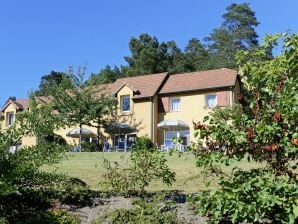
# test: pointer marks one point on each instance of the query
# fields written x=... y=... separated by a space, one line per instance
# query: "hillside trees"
x=263 y=129
x=148 y=55
x=105 y=75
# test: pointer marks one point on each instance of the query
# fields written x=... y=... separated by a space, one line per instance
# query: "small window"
x=175 y=104
x=211 y=101
x=9 y=119
x=125 y=103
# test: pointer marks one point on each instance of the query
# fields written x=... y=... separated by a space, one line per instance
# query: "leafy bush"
x=251 y=196
x=146 y=164
x=263 y=128
x=152 y=211
x=54 y=217
x=89 y=147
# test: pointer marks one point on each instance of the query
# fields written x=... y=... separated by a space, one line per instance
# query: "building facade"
x=160 y=106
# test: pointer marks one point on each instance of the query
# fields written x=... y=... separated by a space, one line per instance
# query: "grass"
x=88 y=166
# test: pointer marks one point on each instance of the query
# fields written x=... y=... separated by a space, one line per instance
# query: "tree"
x=237 y=32
x=54 y=78
x=78 y=104
x=21 y=178
x=106 y=75
x=174 y=58
x=263 y=129
x=148 y=56
x=196 y=55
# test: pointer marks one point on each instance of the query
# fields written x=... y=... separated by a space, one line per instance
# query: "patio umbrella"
x=75 y=133
x=175 y=124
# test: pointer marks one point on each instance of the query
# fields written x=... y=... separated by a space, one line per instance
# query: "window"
x=125 y=103
x=211 y=101
x=9 y=118
x=182 y=135
x=175 y=104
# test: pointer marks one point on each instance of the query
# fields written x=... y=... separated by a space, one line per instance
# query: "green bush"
x=153 y=211
x=146 y=165
x=262 y=128
x=89 y=147
x=251 y=196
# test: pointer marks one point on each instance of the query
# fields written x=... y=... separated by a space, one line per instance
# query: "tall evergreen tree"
x=237 y=32
x=54 y=78
x=106 y=75
x=196 y=56
x=144 y=56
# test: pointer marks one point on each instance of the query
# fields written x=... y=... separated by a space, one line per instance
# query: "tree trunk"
x=98 y=139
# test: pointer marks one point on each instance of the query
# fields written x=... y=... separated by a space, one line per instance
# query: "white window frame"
x=171 y=104
x=8 y=123
x=122 y=104
x=206 y=100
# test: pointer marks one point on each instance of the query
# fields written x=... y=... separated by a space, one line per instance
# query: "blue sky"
x=39 y=36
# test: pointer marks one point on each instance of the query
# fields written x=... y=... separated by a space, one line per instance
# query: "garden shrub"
x=148 y=210
x=263 y=128
x=250 y=196
x=147 y=164
x=90 y=147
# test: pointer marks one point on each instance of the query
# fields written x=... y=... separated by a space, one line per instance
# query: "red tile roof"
x=143 y=86
x=23 y=104
x=20 y=104
x=210 y=79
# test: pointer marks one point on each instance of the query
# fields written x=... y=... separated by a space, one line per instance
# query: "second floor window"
x=175 y=104
x=211 y=101
x=125 y=103
x=9 y=118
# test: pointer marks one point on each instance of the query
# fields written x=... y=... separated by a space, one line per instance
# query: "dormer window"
x=9 y=119
x=125 y=103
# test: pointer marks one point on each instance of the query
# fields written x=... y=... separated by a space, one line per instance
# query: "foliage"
x=143 y=211
x=106 y=75
x=237 y=32
x=54 y=78
x=196 y=56
x=25 y=191
x=148 y=55
x=146 y=165
x=89 y=147
x=78 y=104
x=54 y=217
x=63 y=217
x=251 y=196
x=264 y=129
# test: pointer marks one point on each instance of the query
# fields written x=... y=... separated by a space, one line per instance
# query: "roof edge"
x=194 y=90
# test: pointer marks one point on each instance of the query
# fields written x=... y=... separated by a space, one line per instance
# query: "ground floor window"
x=124 y=141
x=183 y=136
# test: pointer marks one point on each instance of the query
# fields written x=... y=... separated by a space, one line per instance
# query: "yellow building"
x=161 y=106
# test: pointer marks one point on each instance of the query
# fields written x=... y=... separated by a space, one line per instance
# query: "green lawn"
x=88 y=166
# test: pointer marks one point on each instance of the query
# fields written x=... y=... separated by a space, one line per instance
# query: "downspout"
x=232 y=96
x=152 y=119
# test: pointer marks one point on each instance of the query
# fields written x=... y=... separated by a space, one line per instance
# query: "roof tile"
x=201 y=80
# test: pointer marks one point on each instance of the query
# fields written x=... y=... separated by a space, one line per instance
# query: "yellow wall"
x=139 y=115
x=9 y=108
x=26 y=140
x=142 y=117
x=192 y=108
